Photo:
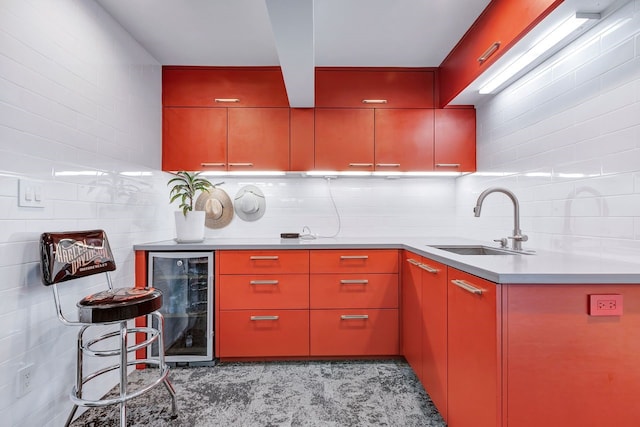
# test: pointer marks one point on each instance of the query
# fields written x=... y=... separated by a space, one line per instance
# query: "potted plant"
x=189 y=223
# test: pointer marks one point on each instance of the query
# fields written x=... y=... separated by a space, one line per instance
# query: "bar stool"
x=71 y=255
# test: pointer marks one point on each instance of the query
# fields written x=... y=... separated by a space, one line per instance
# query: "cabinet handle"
x=360 y=165
x=428 y=268
x=212 y=164
x=412 y=261
x=388 y=165
x=263 y=257
x=374 y=101
x=265 y=317
x=467 y=287
x=354 y=316
x=487 y=53
x=447 y=165
x=354 y=256
x=227 y=100
x=354 y=282
x=263 y=282
x=241 y=164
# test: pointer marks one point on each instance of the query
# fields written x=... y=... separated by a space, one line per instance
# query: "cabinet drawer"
x=354 y=291
x=202 y=86
x=264 y=333
x=349 y=88
x=264 y=262
x=264 y=291
x=350 y=332
x=354 y=261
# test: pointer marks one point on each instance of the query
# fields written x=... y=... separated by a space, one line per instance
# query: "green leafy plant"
x=185 y=187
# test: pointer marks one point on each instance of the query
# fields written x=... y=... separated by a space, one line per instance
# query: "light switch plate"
x=30 y=193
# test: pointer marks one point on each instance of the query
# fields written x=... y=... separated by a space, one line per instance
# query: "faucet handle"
x=519 y=237
x=502 y=241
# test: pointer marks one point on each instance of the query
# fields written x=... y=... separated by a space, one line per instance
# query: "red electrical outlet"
x=605 y=305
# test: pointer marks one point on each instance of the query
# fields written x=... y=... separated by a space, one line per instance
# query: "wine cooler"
x=186 y=282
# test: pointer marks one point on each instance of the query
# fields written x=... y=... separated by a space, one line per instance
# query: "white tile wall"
x=79 y=107
x=366 y=206
x=566 y=139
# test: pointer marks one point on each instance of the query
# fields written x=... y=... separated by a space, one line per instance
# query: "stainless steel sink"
x=476 y=250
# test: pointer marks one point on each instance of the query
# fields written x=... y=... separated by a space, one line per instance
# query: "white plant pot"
x=190 y=228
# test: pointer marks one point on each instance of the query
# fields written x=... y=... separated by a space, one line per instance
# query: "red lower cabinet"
x=474 y=380
x=264 y=333
x=354 y=332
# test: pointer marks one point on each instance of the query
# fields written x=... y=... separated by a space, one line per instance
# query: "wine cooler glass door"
x=186 y=282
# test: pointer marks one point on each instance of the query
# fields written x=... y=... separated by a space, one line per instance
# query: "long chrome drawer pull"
x=413 y=261
x=210 y=165
x=354 y=316
x=447 y=165
x=263 y=282
x=388 y=165
x=264 y=257
x=374 y=101
x=354 y=256
x=360 y=165
x=265 y=317
x=428 y=268
x=354 y=282
x=467 y=287
x=227 y=100
x=487 y=53
x=241 y=164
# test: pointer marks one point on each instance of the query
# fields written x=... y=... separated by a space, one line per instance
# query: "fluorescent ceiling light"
x=551 y=40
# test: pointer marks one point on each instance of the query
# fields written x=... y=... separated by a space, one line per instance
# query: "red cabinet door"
x=473 y=358
x=264 y=333
x=353 y=291
x=194 y=139
x=353 y=261
x=411 y=310
x=503 y=21
x=302 y=139
x=258 y=139
x=344 y=139
x=231 y=86
x=284 y=291
x=455 y=140
x=349 y=88
x=434 y=339
x=264 y=262
x=404 y=140
x=354 y=332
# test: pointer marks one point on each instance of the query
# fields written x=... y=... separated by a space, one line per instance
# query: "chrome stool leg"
x=164 y=367
x=123 y=373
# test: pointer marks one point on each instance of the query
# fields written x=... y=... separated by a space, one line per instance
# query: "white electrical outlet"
x=25 y=379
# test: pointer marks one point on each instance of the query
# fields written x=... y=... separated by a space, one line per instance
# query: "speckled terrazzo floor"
x=328 y=393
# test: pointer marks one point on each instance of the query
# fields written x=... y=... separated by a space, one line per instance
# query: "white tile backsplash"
x=572 y=141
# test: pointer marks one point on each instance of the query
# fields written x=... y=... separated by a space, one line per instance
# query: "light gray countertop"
x=543 y=267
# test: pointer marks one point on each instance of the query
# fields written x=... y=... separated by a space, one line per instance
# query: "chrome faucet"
x=517 y=237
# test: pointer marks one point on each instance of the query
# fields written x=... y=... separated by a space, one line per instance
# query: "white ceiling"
x=297 y=35
x=402 y=33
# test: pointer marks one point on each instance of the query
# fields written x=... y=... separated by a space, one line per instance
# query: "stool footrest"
x=106 y=402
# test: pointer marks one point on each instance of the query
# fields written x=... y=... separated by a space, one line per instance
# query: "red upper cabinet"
x=223 y=87
x=258 y=139
x=404 y=140
x=455 y=140
x=344 y=139
x=194 y=139
x=354 y=88
x=498 y=28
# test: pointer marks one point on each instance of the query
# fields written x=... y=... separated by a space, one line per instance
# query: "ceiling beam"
x=292 y=25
